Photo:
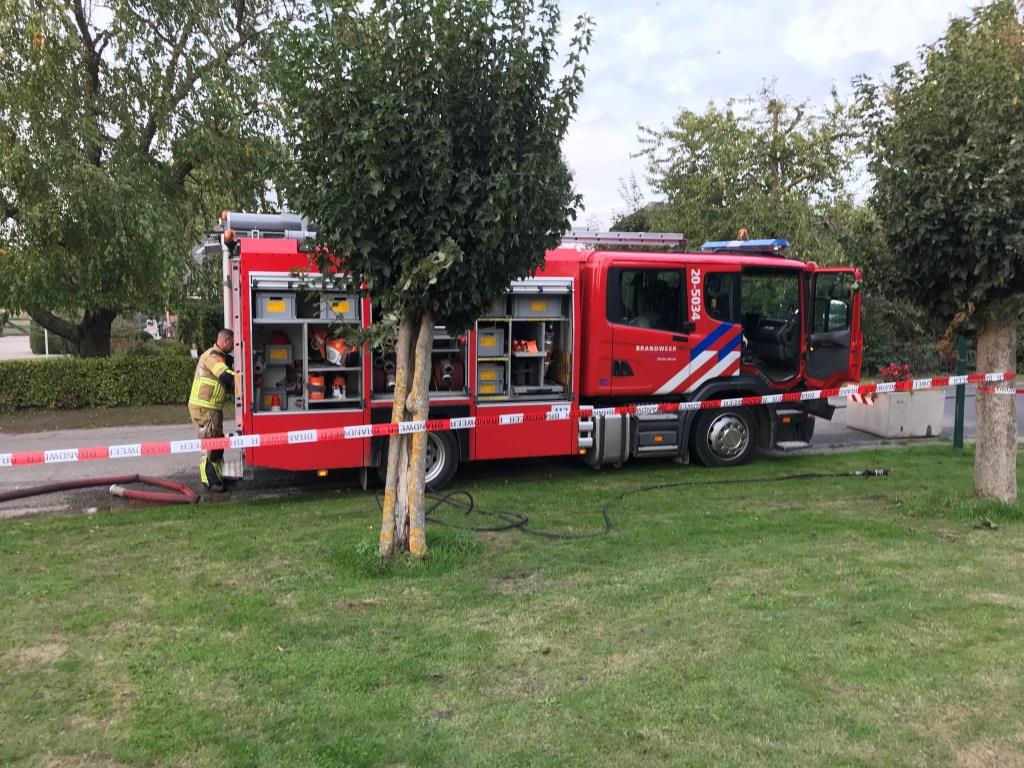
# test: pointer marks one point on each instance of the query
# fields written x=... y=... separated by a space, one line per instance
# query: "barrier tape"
x=556 y=413
x=1000 y=391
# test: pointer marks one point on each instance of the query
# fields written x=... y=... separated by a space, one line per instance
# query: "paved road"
x=828 y=436
x=14 y=348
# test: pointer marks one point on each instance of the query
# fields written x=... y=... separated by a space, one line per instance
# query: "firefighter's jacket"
x=213 y=380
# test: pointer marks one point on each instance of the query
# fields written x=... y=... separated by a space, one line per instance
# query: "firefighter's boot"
x=211 y=477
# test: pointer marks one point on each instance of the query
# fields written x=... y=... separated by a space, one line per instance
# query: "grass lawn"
x=806 y=622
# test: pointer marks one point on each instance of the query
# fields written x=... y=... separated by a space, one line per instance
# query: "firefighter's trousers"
x=209 y=423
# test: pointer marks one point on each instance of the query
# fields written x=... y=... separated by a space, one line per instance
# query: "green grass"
x=808 y=622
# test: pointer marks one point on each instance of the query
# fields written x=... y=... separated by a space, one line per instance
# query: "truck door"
x=835 y=346
x=650 y=328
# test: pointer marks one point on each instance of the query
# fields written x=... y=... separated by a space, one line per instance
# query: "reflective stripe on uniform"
x=207 y=393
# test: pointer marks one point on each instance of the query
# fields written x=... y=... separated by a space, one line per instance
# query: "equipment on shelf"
x=317 y=343
x=316 y=387
x=448 y=374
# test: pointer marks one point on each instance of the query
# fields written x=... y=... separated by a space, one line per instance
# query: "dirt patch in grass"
x=517 y=583
x=987 y=754
x=358 y=606
x=47 y=653
x=997 y=598
x=82 y=762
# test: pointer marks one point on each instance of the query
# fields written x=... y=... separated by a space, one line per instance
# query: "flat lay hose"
x=179 y=493
x=507 y=521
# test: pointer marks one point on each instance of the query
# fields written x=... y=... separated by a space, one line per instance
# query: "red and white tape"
x=1000 y=391
x=556 y=413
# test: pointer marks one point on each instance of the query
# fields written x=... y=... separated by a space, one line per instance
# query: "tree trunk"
x=392 y=537
x=91 y=337
x=995 y=461
x=95 y=333
x=403 y=523
x=418 y=406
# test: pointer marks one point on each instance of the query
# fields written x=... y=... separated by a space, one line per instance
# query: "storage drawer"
x=537 y=305
x=339 y=306
x=490 y=388
x=275 y=306
x=490 y=342
x=490 y=372
x=498 y=309
x=277 y=354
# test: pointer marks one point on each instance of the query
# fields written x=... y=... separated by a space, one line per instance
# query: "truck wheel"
x=724 y=438
x=442 y=460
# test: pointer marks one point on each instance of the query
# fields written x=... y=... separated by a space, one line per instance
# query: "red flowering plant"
x=898 y=372
x=895 y=372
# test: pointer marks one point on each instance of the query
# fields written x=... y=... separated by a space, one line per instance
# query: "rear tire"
x=724 y=437
x=442 y=460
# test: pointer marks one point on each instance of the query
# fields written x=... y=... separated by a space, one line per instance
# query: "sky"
x=651 y=58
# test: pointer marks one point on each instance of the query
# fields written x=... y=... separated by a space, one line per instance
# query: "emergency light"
x=746 y=246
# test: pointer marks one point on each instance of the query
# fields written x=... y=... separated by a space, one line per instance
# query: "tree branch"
x=151 y=25
x=57 y=325
x=182 y=172
x=94 y=151
x=149 y=132
x=794 y=122
x=193 y=76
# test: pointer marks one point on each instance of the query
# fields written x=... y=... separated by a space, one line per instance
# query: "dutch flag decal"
x=714 y=356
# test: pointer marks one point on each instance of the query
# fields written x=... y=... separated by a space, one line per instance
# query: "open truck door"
x=835 y=345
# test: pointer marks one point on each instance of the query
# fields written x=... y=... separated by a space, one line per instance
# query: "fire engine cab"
x=597 y=325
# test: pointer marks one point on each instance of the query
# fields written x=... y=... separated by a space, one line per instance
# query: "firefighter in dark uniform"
x=213 y=380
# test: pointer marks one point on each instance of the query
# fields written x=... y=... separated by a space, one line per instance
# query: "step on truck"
x=610 y=319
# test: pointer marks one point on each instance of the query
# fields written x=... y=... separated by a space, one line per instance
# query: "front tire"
x=724 y=437
x=442 y=461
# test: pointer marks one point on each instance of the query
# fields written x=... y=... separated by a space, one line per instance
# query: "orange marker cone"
x=275 y=403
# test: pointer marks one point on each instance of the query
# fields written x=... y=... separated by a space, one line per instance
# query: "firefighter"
x=213 y=380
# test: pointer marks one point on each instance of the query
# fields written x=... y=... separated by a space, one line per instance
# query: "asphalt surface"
x=829 y=436
x=14 y=348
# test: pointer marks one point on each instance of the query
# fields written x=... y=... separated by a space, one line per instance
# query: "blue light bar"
x=746 y=246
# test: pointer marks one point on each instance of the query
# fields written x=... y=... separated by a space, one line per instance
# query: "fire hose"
x=179 y=493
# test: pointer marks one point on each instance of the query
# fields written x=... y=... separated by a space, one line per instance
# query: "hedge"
x=59 y=383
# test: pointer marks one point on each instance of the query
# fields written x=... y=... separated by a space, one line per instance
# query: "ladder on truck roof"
x=289 y=226
x=662 y=239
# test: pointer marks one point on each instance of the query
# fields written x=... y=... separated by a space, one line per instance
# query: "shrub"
x=70 y=382
x=199 y=321
x=58 y=344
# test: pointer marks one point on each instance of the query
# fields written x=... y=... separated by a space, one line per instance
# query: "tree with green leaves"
x=774 y=167
x=946 y=138
x=124 y=128
x=427 y=138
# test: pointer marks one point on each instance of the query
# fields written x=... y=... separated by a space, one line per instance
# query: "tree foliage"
x=947 y=153
x=775 y=167
x=428 y=137
x=124 y=128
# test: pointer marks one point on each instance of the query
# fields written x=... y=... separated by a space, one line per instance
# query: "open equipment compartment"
x=300 y=359
x=447 y=367
x=525 y=353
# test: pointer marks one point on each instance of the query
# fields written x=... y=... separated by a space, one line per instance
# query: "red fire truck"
x=594 y=327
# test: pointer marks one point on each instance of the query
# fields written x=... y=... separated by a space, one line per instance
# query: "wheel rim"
x=728 y=436
x=435 y=459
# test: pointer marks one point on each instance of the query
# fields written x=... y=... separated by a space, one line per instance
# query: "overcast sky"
x=651 y=58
